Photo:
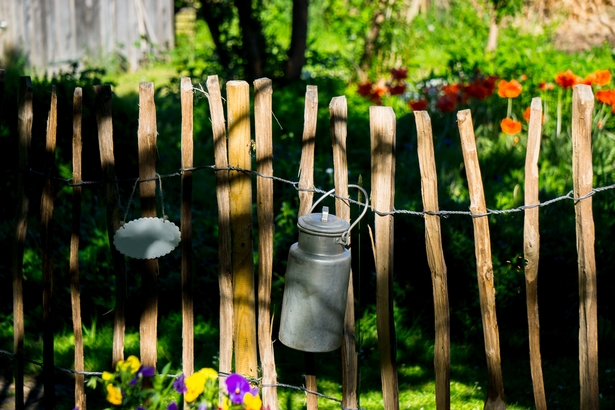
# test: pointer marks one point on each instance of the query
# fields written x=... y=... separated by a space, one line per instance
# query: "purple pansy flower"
x=172 y=406
x=237 y=387
x=202 y=406
x=144 y=371
x=179 y=385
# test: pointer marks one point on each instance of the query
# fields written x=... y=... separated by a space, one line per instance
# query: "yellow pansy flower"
x=114 y=395
x=209 y=373
x=106 y=376
x=252 y=402
x=131 y=364
x=195 y=385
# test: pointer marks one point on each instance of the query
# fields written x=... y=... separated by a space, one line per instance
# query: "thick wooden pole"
x=112 y=200
x=225 y=273
x=147 y=169
x=263 y=92
x=582 y=173
x=187 y=96
x=435 y=259
x=47 y=248
x=239 y=144
x=338 y=114
x=75 y=293
x=531 y=250
x=382 y=133
x=486 y=290
x=24 y=130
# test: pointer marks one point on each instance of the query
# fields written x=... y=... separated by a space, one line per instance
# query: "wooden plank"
x=582 y=173
x=75 y=294
x=24 y=130
x=225 y=272
x=263 y=94
x=486 y=290
x=308 y=142
x=382 y=137
x=531 y=250
x=338 y=114
x=187 y=97
x=112 y=200
x=239 y=146
x=147 y=133
x=435 y=259
x=47 y=250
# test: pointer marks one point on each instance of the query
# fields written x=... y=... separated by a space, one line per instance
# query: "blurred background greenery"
x=348 y=43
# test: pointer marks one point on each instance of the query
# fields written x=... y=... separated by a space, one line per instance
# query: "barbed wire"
x=295 y=184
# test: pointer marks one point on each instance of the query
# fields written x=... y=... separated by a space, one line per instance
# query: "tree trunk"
x=492 y=40
x=252 y=40
x=372 y=39
x=298 y=41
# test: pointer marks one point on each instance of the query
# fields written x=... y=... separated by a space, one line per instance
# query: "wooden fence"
x=239 y=294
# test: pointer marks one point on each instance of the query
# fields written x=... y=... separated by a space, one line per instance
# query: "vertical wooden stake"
x=306 y=184
x=495 y=390
x=382 y=135
x=531 y=250
x=147 y=169
x=187 y=95
x=112 y=200
x=582 y=172
x=225 y=273
x=24 y=129
x=435 y=259
x=239 y=143
x=338 y=114
x=263 y=91
x=75 y=294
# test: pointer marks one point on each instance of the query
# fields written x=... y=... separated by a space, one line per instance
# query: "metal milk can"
x=317 y=277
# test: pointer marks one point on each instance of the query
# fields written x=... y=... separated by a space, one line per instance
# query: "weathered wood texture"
x=382 y=136
x=435 y=259
x=531 y=250
x=54 y=34
x=244 y=304
x=484 y=266
x=582 y=173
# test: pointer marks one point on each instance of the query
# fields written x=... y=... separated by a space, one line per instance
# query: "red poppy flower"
x=509 y=89
x=567 y=79
x=399 y=74
x=364 y=89
x=545 y=86
x=600 y=77
x=510 y=126
x=418 y=105
x=446 y=103
x=397 y=89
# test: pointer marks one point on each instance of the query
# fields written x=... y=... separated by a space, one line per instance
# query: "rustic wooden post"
x=531 y=250
x=24 y=129
x=338 y=114
x=75 y=294
x=225 y=273
x=47 y=249
x=306 y=195
x=582 y=171
x=382 y=136
x=187 y=95
x=239 y=144
x=263 y=91
x=112 y=200
x=147 y=133
x=478 y=208
x=435 y=259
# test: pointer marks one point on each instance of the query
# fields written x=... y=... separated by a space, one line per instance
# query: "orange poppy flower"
x=567 y=79
x=606 y=96
x=418 y=105
x=543 y=86
x=510 y=126
x=600 y=77
x=527 y=112
x=509 y=89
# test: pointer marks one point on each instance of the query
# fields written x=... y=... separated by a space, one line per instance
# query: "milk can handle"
x=347 y=233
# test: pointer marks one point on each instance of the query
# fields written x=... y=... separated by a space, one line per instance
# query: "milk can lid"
x=323 y=223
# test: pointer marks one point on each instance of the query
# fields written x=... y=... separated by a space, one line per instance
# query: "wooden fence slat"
x=486 y=290
x=338 y=114
x=263 y=92
x=239 y=146
x=74 y=250
x=225 y=273
x=147 y=169
x=382 y=136
x=24 y=129
x=187 y=150
x=582 y=172
x=112 y=200
x=435 y=259
x=306 y=181
x=47 y=249
x=531 y=250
